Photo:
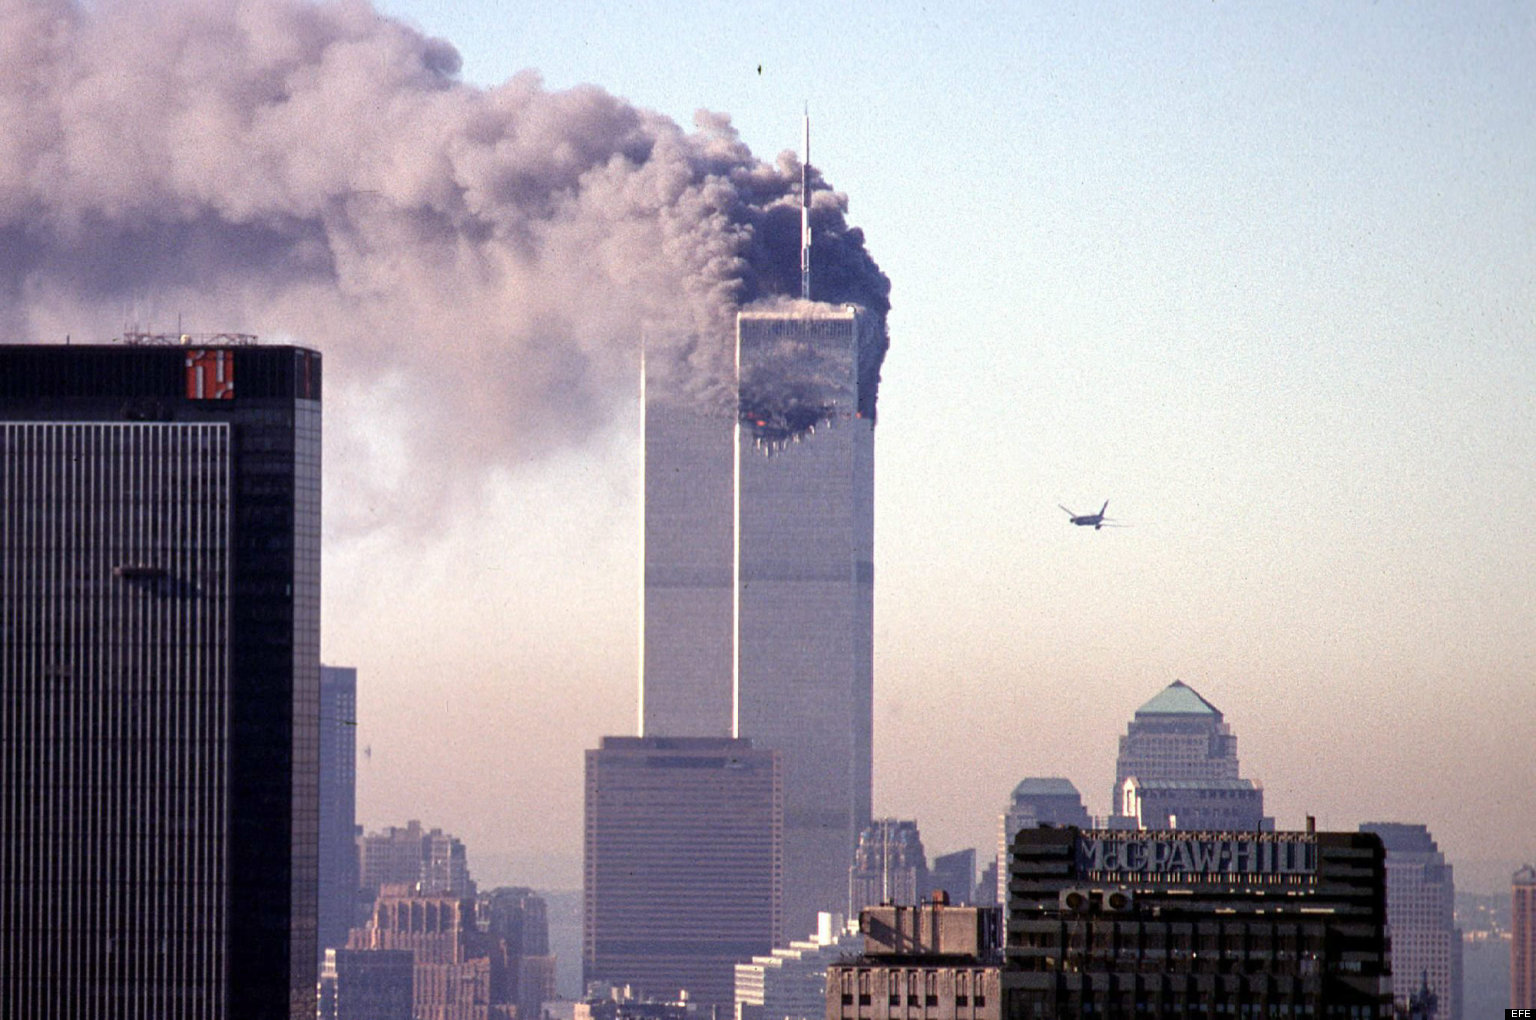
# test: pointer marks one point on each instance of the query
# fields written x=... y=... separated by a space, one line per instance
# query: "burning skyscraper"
x=804 y=585
x=759 y=576
x=758 y=579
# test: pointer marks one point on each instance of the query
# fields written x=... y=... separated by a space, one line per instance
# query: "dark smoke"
x=482 y=264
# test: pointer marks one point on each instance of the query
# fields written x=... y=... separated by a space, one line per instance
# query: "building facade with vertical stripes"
x=683 y=864
x=159 y=681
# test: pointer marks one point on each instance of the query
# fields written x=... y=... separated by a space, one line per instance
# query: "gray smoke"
x=482 y=263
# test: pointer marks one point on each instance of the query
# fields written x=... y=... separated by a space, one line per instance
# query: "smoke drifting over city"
x=481 y=263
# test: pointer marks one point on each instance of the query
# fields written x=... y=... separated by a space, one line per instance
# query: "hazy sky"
x=1262 y=275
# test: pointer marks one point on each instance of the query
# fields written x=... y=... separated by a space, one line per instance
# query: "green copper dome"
x=1178 y=699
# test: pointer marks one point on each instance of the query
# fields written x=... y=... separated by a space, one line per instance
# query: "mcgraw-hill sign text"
x=1205 y=854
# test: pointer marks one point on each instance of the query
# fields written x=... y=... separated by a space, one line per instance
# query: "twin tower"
x=758 y=592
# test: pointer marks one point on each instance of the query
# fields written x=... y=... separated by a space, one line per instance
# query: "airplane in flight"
x=1095 y=521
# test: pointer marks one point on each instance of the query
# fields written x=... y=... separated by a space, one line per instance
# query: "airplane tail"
x=1103 y=508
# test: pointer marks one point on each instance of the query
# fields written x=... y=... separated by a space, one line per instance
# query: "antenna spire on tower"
x=805 y=210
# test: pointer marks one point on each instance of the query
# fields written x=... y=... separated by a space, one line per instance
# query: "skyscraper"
x=759 y=581
x=687 y=604
x=1522 y=945
x=1421 y=916
x=1183 y=758
x=159 y=680
x=1176 y=735
x=804 y=582
x=338 y=805
x=682 y=863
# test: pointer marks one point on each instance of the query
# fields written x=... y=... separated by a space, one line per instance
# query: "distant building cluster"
x=431 y=945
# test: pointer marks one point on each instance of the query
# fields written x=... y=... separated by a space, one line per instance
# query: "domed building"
x=1178 y=769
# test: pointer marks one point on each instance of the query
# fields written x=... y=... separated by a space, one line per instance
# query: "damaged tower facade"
x=804 y=587
x=759 y=578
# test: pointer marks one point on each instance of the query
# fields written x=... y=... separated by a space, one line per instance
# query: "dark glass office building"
x=1172 y=923
x=159 y=681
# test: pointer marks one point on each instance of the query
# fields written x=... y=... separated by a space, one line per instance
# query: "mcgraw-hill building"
x=1170 y=923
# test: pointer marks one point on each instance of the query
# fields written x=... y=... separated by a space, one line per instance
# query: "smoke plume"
x=481 y=264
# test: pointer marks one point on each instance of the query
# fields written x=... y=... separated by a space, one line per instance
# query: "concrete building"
x=1129 y=924
x=458 y=971
x=682 y=864
x=757 y=617
x=360 y=984
x=790 y=983
x=889 y=866
x=432 y=863
x=929 y=961
x=159 y=679
x=1035 y=801
x=1236 y=804
x=1421 y=918
x=1522 y=945
x=338 y=805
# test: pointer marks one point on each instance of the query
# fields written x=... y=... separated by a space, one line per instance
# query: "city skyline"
x=1242 y=513
x=1260 y=277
